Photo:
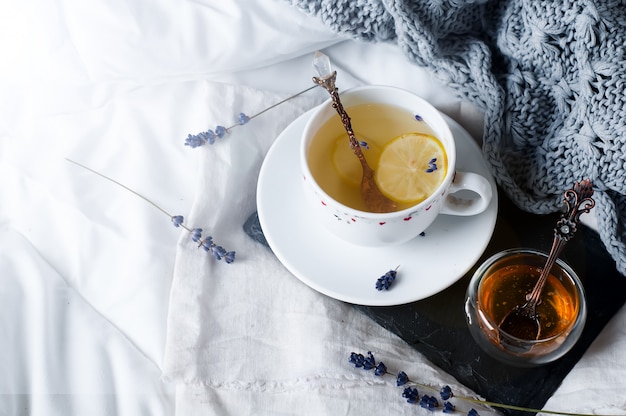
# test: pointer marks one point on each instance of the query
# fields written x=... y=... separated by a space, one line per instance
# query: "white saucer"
x=347 y=272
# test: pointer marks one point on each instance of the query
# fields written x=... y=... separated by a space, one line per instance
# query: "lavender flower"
x=177 y=220
x=243 y=119
x=194 y=141
x=381 y=369
x=446 y=392
x=402 y=379
x=209 y=245
x=418 y=117
x=206 y=243
x=219 y=252
x=201 y=139
x=209 y=136
x=384 y=282
x=432 y=165
x=410 y=394
x=229 y=257
x=429 y=402
x=364 y=144
x=369 y=361
x=357 y=359
x=196 y=235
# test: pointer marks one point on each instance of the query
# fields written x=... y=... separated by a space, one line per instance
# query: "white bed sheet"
x=85 y=266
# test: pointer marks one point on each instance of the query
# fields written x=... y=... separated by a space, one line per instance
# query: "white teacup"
x=357 y=225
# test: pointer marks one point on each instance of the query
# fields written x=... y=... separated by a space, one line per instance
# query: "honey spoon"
x=374 y=199
x=523 y=322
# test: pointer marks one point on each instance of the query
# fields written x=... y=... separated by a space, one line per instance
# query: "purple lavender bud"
x=352 y=359
x=357 y=359
x=472 y=412
x=418 y=117
x=369 y=362
x=429 y=402
x=433 y=403
x=381 y=369
x=206 y=137
x=229 y=257
x=220 y=131
x=446 y=392
x=207 y=243
x=364 y=145
x=194 y=141
x=210 y=136
x=410 y=394
x=385 y=281
x=177 y=220
x=432 y=165
x=196 y=234
x=243 y=119
x=219 y=252
x=448 y=407
x=402 y=379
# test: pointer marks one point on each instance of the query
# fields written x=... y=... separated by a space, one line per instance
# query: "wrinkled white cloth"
x=248 y=337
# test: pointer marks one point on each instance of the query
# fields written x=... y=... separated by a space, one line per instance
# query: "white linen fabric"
x=248 y=335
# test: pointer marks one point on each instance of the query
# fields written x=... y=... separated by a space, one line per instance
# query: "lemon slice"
x=411 y=167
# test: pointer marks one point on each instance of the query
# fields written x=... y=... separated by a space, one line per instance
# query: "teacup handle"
x=475 y=198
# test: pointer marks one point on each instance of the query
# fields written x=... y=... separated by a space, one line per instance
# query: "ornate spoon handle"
x=578 y=201
x=328 y=83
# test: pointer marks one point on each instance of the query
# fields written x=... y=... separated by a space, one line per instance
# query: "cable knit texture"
x=550 y=77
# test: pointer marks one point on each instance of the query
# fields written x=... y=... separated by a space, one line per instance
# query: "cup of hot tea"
x=410 y=147
x=501 y=283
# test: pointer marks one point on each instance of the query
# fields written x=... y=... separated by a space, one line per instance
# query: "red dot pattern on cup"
x=408 y=219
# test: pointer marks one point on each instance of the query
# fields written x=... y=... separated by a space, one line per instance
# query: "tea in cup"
x=408 y=144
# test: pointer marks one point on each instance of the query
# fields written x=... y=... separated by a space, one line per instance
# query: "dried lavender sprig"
x=384 y=282
x=411 y=394
x=209 y=136
x=177 y=220
x=432 y=165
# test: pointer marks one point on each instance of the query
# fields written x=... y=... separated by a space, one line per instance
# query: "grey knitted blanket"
x=550 y=77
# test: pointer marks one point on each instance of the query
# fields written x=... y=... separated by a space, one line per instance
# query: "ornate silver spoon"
x=372 y=196
x=523 y=322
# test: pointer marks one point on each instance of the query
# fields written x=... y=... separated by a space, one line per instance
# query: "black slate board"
x=437 y=328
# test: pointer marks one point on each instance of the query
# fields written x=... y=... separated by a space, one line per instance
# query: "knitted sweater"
x=550 y=77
